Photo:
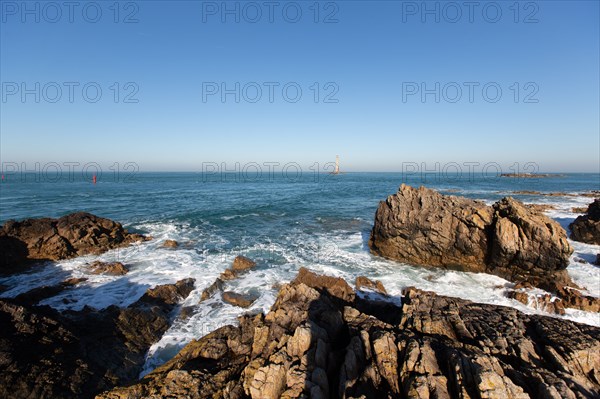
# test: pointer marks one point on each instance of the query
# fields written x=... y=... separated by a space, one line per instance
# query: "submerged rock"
x=55 y=239
x=586 y=228
x=315 y=344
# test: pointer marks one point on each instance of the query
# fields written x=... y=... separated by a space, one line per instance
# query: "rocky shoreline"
x=321 y=338
x=35 y=240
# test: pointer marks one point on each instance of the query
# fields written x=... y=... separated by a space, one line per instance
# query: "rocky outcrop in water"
x=55 y=239
x=170 y=244
x=422 y=227
x=586 y=228
x=240 y=265
x=46 y=354
x=108 y=268
x=320 y=340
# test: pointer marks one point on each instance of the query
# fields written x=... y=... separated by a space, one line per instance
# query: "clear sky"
x=371 y=62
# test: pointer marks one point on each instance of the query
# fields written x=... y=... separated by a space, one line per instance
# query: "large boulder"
x=315 y=344
x=525 y=243
x=586 y=228
x=423 y=227
x=72 y=235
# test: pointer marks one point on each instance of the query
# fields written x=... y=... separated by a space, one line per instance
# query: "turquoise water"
x=318 y=221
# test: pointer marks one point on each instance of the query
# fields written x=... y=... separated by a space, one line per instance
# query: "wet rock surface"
x=586 y=228
x=315 y=343
x=76 y=354
x=76 y=234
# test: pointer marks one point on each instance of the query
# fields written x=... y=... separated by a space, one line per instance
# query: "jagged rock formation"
x=508 y=239
x=586 y=228
x=46 y=354
x=54 y=239
x=320 y=340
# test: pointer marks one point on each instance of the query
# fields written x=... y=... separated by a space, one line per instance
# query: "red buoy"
x=94 y=179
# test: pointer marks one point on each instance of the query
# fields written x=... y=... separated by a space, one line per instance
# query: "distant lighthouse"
x=336 y=171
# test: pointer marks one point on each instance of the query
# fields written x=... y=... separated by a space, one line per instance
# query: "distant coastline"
x=531 y=175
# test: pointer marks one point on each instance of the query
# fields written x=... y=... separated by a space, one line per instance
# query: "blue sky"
x=543 y=55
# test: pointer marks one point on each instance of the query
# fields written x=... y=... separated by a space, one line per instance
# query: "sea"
x=282 y=221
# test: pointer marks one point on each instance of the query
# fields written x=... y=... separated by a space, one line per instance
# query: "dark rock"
x=586 y=228
x=243 y=301
x=55 y=239
x=597 y=262
x=74 y=281
x=36 y=295
x=46 y=354
x=313 y=344
x=169 y=294
x=109 y=268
